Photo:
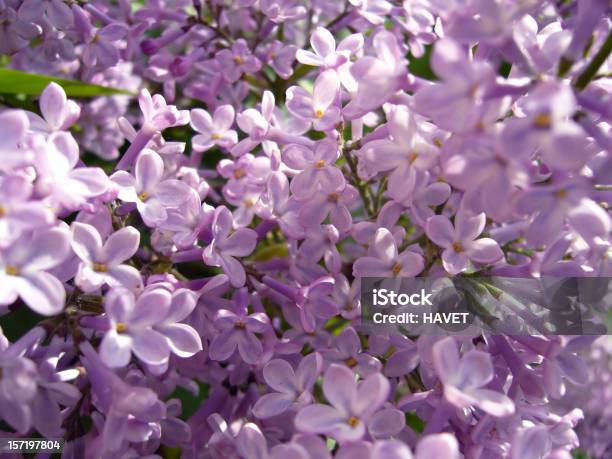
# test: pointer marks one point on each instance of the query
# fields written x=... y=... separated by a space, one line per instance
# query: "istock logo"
x=384 y=297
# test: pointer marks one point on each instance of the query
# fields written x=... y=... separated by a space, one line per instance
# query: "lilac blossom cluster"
x=204 y=246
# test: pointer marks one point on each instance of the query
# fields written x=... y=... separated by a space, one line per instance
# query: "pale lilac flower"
x=318 y=170
x=460 y=243
x=66 y=186
x=184 y=341
x=18 y=212
x=17 y=391
x=147 y=188
x=215 y=130
x=255 y=124
x=320 y=242
x=279 y=11
x=227 y=244
x=356 y=408
x=377 y=78
x=131 y=321
x=281 y=58
x=326 y=54
x=188 y=221
x=13 y=128
x=405 y=151
x=102 y=262
x=23 y=268
x=237 y=331
x=57 y=12
x=237 y=60
x=99 y=49
x=333 y=204
x=278 y=205
x=348 y=351
x=465 y=378
x=546 y=125
x=293 y=388
x=58 y=113
x=456 y=104
x=384 y=260
x=317 y=107
x=372 y=11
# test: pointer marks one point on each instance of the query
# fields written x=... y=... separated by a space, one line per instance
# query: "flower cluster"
x=188 y=263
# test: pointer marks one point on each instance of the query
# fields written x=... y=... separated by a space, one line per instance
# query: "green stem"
x=589 y=73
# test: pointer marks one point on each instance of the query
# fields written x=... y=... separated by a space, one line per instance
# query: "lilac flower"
x=99 y=49
x=377 y=78
x=385 y=261
x=215 y=130
x=64 y=185
x=408 y=150
x=227 y=244
x=355 y=408
x=101 y=263
x=348 y=351
x=14 y=125
x=131 y=323
x=183 y=339
x=333 y=204
x=17 y=390
x=18 y=212
x=58 y=113
x=372 y=10
x=293 y=388
x=189 y=221
x=237 y=60
x=15 y=33
x=237 y=331
x=58 y=13
x=464 y=85
x=277 y=204
x=279 y=11
x=326 y=54
x=280 y=58
x=317 y=168
x=548 y=127
x=321 y=243
x=255 y=123
x=460 y=243
x=132 y=413
x=464 y=378
x=148 y=190
x=317 y=107
x=23 y=268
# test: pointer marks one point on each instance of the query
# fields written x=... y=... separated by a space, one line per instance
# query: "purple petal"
x=116 y=349
x=121 y=245
x=272 y=405
x=184 y=341
x=151 y=347
x=148 y=171
x=484 y=250
x=440 y=230
x=340 y=388
x=42 y=292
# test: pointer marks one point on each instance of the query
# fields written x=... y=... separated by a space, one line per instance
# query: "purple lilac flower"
x=460 y=243
x=102 y=262
x=148 y=190
x=293 y=388
x=224 y=266
x=356 y=408
x=24 y=273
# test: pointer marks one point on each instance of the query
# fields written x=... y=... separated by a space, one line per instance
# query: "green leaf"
x=16 y=82
x=415 y=422
x=190 y=402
